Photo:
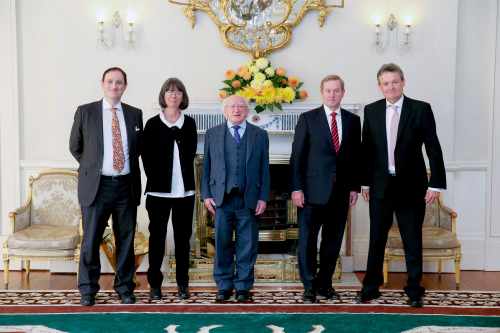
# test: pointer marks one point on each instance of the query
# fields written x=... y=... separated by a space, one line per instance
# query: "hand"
x=298 y=199
x=261 y=207
x=210 y=205
x=353 y=198
x=431 y=196
x=366 y=194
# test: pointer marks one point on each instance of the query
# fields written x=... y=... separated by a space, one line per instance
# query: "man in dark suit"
x=395 y=178
x=105 y=140
x=324 y=164
x=235 y=187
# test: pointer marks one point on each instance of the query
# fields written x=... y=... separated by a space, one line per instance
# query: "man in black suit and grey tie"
x=105 y=140
x=324 y=164
x=235 y=187
x=395 y=178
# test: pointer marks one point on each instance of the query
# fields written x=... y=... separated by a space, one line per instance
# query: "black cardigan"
x=158 y=153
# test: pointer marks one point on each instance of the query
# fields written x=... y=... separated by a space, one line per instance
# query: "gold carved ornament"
x=257 y=27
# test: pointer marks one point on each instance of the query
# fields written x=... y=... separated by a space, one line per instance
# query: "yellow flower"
x=268 y=83
x=262 y=63
x=287 y=94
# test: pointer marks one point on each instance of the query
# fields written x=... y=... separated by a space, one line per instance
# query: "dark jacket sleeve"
x=367 y=151
x=265 y=174
x=147 y=144
x=76 y=136
x=298 y=156
x=355 y=155
x=205 y=178
x=433 y=150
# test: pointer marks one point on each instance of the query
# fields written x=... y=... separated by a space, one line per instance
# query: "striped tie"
x=335 y=134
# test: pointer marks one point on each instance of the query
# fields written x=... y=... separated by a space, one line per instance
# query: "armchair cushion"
x=45 y=237
x=432 y=237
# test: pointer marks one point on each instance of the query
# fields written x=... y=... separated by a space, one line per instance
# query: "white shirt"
x=241 y=130
x=338 y=118
x=107 y=136
x=389 y=111
x=177 y=189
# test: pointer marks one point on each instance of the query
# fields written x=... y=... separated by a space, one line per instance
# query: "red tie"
x=335 y=134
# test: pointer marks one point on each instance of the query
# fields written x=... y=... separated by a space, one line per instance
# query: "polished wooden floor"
x=471 y=280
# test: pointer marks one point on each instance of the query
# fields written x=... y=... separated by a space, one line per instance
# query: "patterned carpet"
x=290 y=300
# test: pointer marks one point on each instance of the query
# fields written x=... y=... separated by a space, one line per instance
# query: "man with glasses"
x=235 y=187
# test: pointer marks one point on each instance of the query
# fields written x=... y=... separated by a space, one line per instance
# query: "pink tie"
x=118 y=156
x=393 y=135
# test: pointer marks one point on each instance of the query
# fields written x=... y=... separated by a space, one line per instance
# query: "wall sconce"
x=116 y=23
x=391 y=26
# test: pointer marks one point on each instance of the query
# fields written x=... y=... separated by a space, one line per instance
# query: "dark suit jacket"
x=257 y=185
x=314 y=164
x=416 y=128
x=86 y=145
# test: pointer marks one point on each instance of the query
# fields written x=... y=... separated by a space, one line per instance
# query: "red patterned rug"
x=264 y=300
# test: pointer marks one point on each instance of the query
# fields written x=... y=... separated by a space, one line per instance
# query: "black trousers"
x=410 y=217
x=332 y=218
x=113 y=199
x=182 y=223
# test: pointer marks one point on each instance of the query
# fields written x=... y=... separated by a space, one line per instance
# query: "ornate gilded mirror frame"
x=257 y=27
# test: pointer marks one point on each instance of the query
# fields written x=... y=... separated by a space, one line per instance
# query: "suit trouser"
x=182 y=222
x=233 y=215
x=331 y=218
x=113 y=199
x=410 y=216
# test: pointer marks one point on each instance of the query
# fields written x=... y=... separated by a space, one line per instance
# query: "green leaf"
x=278 y=105
x=299 y=85
x=259 y=108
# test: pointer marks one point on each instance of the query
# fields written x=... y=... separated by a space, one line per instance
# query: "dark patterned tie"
x=237 y=136
x=118 y=157
x=335 y=134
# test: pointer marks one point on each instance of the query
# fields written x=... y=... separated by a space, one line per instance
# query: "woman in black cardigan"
x=170 y=140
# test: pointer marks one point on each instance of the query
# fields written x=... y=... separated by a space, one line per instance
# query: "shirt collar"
x=107 y=106
x=243 y=125
x=399 y=103
x=329 y=111
x=179 y=122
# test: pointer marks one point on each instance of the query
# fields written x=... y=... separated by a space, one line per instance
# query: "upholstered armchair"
x=439 y=237
x=47 y=226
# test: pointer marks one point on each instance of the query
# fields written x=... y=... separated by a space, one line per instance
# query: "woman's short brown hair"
x=173 y=82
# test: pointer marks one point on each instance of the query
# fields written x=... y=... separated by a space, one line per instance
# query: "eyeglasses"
x=173 y=93
x=236 y=106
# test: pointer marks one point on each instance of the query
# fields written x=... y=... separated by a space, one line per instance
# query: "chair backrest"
x=54 y=198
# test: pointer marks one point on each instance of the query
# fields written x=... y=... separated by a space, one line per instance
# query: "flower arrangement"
x=259 y=82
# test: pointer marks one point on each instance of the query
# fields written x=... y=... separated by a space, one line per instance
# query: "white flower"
x=268 y=83
x=262 y=63
x=254 y=69
x=269 y=71
x=256 y=84
x=259 y=77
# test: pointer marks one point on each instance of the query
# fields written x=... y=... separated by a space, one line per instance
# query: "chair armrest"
x=20 y=218
x=451 y=214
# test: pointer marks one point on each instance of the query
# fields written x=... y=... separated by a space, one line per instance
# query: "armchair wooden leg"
x=386 y=271
x=457 y=271
x=440 y=268
x=27 y=268
x=6 y=273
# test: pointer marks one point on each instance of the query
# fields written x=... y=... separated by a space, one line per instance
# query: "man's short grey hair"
x=391 y=68
x=224 y=102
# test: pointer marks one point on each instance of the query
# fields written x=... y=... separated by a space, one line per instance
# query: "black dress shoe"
x=327 y=293
x=223 y=295
x=87 y=300
x=309 y=296
x=416 y=302
x=243 y=296
x=183 y=292
x=364 y=297
x=155 y=294
x=127 y=298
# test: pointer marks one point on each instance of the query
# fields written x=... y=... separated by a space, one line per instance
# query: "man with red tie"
x=324 y=164
x=395 y=178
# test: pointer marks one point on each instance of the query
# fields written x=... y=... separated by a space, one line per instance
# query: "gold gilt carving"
x=257 y=27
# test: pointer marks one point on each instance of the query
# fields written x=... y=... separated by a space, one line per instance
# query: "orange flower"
x=236 y=84
x=280 y=71
x=303 y=94
x=230 y=74
x=222 y=94
x=293 y=81
x=247 y=76
x=243 y=71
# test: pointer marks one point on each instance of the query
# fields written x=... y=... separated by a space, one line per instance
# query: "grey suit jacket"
x=213 y=183
x=87 y=146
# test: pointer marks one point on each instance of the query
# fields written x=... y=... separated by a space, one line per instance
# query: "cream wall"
x=53 y=63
